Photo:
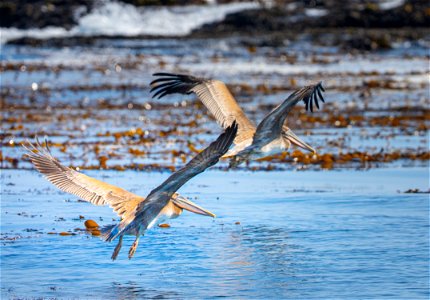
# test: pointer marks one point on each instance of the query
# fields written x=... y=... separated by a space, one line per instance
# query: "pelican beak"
x=184 y=203
x=295 y=140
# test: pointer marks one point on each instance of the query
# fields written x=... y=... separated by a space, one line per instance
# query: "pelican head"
x=291 y=138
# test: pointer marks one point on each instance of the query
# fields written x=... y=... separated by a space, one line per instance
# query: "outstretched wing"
x=271 y=126
x=214 y=94
x=87 y=188
x=147 y=211
x=205 y=159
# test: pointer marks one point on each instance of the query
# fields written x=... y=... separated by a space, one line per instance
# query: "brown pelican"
x=271 y=136
x=137 y=213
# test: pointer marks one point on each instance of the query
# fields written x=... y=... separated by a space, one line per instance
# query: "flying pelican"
x=271 y=136
x=137 y=213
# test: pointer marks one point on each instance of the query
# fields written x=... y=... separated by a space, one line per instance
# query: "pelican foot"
x=133 y=248
x=235 y=161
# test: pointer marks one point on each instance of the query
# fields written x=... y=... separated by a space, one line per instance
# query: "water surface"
x=314 y=234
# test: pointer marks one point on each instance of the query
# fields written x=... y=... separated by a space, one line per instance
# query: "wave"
x=8 y=34
x=115 y=18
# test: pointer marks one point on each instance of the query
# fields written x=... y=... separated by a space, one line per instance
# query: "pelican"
x=137 y=213
x=271 y=136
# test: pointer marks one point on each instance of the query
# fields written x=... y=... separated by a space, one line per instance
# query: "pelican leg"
x=117 y=248
x=236 y=161
x=133 y=247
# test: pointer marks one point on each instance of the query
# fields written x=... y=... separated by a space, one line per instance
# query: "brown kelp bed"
x=101 y=138
x=95 y=107
x=98 y=114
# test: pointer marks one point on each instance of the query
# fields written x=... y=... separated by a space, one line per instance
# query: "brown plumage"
x=215 y=95
x=147 y=212
x=97 y=192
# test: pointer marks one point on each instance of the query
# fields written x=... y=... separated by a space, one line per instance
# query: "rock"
x=412 y=13
x=66 y=233
x=90 y=224
x=41 y=13
x=95 y=232
x=164 y=2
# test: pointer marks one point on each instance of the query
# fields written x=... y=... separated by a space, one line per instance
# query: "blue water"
x=338 y=234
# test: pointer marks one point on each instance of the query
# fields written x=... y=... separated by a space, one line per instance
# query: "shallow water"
x=314 y=234
x=97 y=96
x=282 y=234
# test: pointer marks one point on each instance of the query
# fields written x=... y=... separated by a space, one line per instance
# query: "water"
x=348 y=233
x=87 y=94
x=314 y=234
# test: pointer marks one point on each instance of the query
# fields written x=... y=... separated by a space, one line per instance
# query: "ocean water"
x=314 y=234
x=348 y=233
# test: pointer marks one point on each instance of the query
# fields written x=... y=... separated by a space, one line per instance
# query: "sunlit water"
x=315 y=234
x=338 y=234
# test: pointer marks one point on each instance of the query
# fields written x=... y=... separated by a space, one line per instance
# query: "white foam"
x=115 y=18
x=7 y=34
x=316 y=12
x=390 y=4
x=111 y=18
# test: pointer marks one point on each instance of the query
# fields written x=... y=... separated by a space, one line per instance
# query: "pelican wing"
x=87 y=188
x=213 y=93
x=271 y=126
x=148 y=210
x=205 y=159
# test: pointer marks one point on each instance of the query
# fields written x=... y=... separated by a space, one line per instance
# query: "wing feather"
x=205 y=159
x=148 y=210
x=214 y=94
x=271 y=126
x=87 y=188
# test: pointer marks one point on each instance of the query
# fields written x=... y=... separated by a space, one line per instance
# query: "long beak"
x=295 y=140
x=184 y=203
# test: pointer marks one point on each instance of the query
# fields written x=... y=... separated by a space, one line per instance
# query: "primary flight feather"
x=251 y=142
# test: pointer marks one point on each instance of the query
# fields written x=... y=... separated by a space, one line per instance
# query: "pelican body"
x=137 y=213
x=271 y=136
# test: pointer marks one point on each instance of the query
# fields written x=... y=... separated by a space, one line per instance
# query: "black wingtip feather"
x=158 y=80
x=169 y=83
x=164 y=93
x=309 y=99
x=168 y=74
x=320 y=95
x=314 y=97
